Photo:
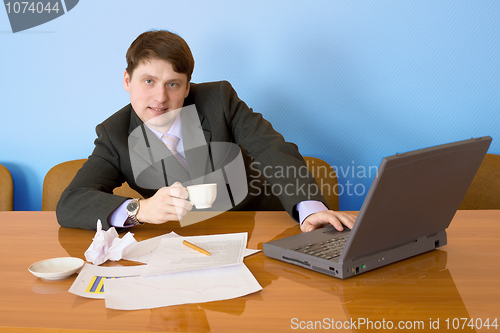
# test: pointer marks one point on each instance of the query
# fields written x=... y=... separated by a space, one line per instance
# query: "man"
x=158 y=75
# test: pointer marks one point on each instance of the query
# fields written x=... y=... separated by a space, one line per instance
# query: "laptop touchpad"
x=332 y=231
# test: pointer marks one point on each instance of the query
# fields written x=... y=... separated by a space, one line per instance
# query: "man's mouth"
x=158 y=109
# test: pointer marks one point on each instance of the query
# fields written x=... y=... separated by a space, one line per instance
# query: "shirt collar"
x=175 y=129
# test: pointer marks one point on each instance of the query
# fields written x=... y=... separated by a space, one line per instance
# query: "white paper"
x=249 y=252
x=89 y=282
x=106 y=245
x=212 y=284
x=172 y=256
x=143 y=251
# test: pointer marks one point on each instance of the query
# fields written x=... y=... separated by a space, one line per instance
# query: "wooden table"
x=461 y=280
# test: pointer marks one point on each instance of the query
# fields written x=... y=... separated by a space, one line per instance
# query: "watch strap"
x=133 y=215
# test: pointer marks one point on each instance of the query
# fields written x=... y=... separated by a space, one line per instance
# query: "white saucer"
x=56 y=268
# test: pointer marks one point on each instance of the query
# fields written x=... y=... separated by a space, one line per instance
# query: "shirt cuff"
x=119 y=216
x=308 y=207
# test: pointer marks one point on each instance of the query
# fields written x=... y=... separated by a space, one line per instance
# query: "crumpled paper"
x=107 y=246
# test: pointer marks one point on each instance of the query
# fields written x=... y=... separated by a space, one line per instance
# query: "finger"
x=169 y=205
x=346 y=219
x=171 y=213
x=178 y=191
x=318 y=220
x=322 y=219
x=352 y=219
x=337 y=224
x=182 y=204
x=179 y=213
x=306 y=227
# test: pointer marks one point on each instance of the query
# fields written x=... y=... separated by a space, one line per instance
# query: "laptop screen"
x=415 y=194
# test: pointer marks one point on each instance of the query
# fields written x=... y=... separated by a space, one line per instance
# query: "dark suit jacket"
x=224 y=118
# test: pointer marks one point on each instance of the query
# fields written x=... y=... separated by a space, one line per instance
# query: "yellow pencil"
x=194 y=247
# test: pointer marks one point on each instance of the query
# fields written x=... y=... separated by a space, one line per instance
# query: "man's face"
x=155 y=91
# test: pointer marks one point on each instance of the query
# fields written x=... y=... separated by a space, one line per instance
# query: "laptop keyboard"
x=328 y=249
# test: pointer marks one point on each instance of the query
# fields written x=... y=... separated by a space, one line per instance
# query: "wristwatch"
x=132 y=209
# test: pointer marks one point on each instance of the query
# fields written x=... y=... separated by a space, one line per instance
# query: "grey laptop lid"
x=415 y=194
x=411 y=202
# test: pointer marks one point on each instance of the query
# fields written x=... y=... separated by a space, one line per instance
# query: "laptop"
x=411 y=202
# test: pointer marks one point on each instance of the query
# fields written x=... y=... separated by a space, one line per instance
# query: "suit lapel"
x=195 y=140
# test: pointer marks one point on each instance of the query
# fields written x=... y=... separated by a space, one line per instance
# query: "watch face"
x=132 y=206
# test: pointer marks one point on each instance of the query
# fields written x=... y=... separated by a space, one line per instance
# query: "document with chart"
x=172 y=256
x=174 y=274
x=205 y=285
x=90 y=281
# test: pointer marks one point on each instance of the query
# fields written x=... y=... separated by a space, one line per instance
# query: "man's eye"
x=148 y=81
x=173 y=84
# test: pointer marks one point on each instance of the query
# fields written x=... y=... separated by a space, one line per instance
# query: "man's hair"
x=163 y=45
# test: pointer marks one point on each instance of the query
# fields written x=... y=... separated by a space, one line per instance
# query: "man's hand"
x=168 y=204
x=321 y=219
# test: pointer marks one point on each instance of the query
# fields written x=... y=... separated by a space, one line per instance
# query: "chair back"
x=484 y=192
x=326 y=178
x=6 y=189
x=59 y=177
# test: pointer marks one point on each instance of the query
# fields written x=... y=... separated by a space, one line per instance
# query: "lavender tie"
x=171 y=142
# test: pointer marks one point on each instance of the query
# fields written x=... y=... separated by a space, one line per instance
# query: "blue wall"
x=347 y=81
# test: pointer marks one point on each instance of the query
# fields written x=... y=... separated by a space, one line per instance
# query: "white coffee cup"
x=202 y=195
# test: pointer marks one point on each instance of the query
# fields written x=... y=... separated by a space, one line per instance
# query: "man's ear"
x=126 y=81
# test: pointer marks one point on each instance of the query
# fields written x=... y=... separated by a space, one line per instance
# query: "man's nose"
x=161 y=94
